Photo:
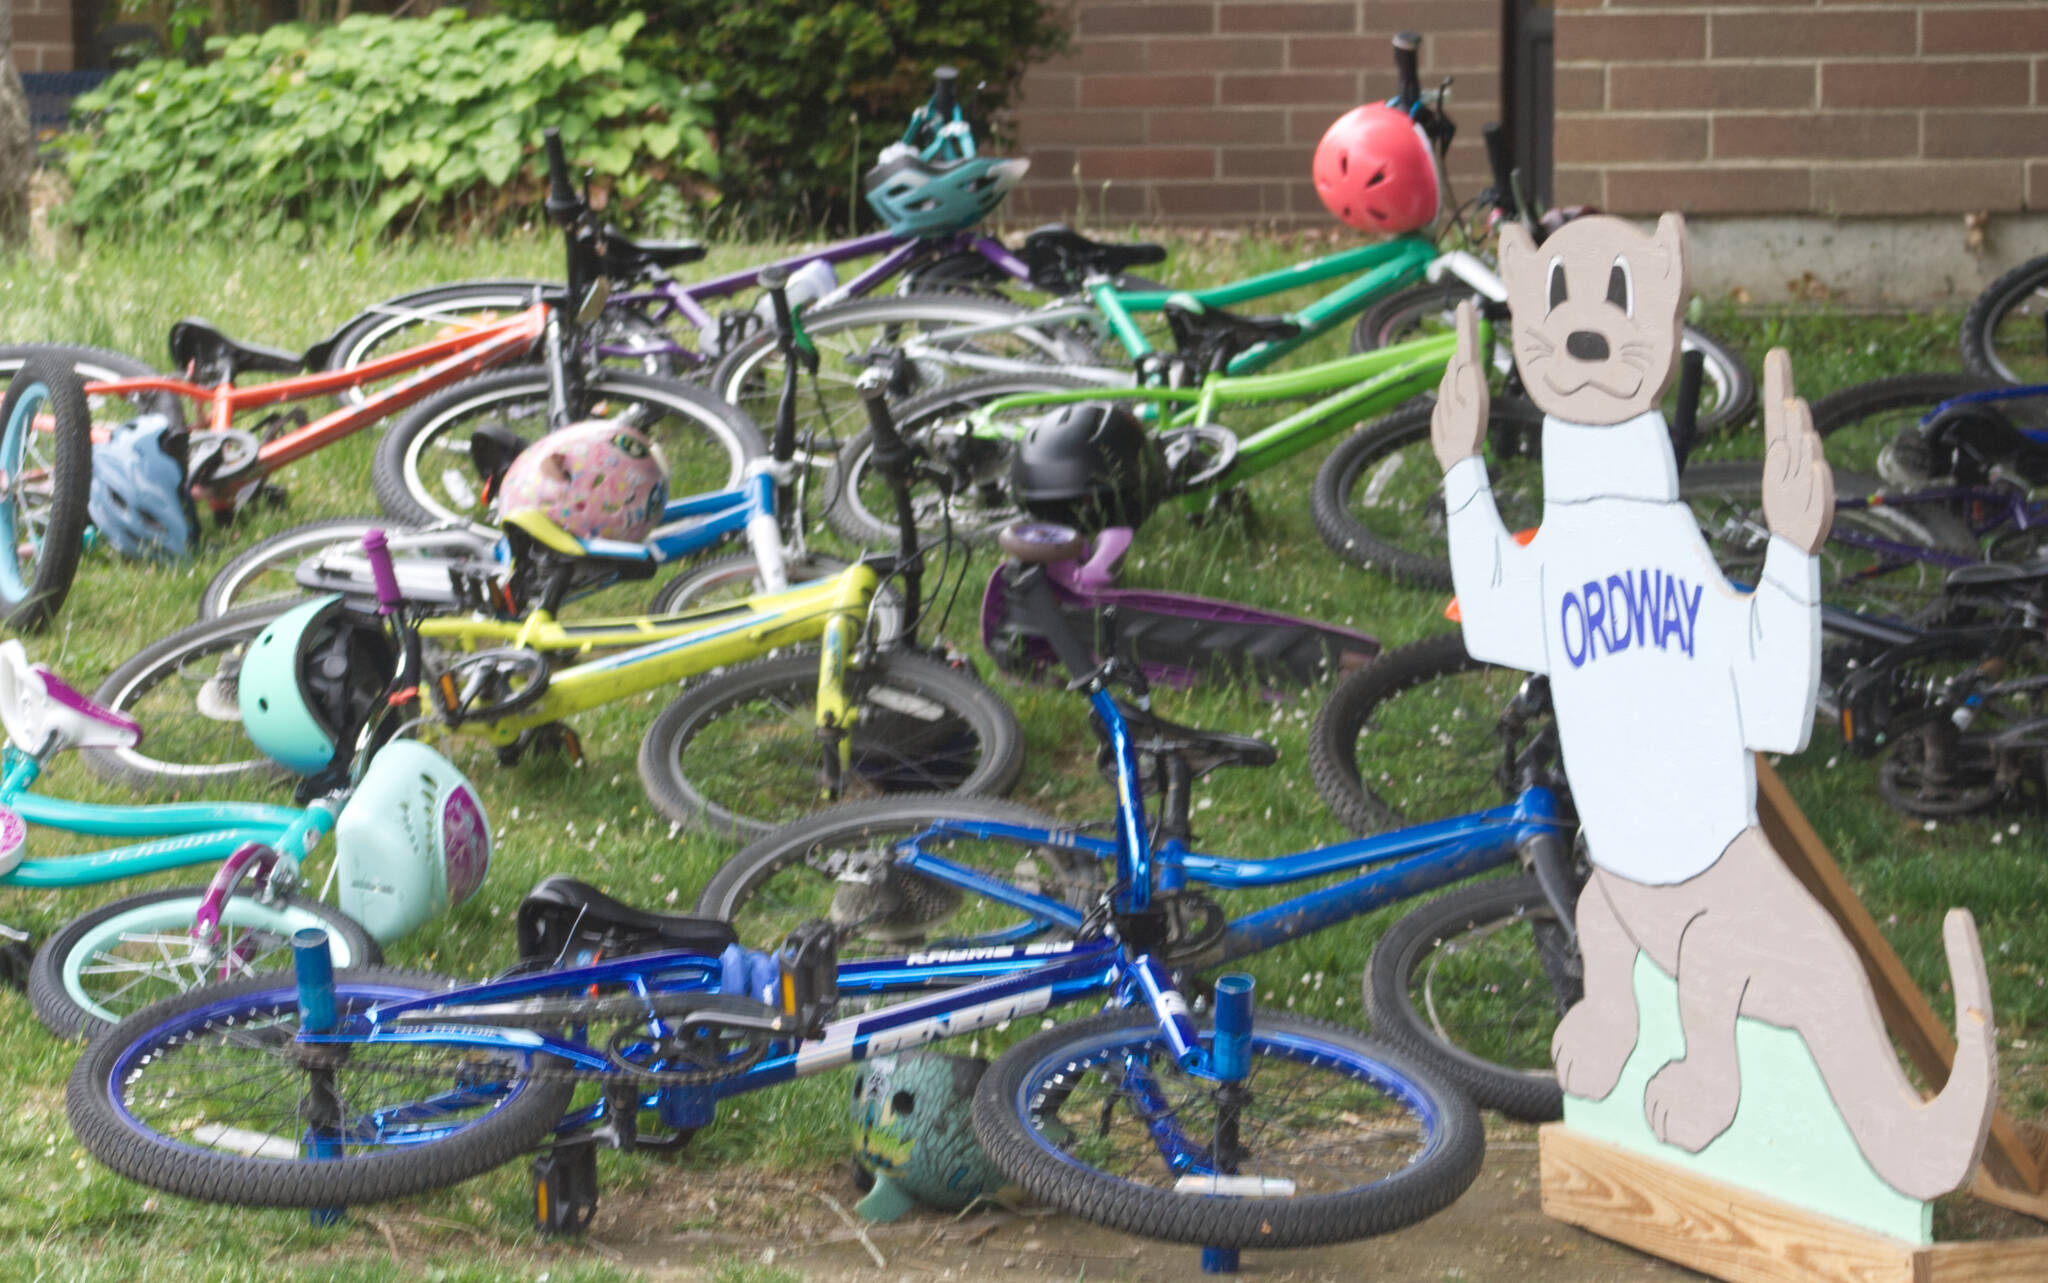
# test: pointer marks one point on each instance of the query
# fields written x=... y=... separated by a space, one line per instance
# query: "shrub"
x=807 y=91
x=350 y=129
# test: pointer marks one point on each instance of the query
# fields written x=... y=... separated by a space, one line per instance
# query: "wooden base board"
x=1731 y=1233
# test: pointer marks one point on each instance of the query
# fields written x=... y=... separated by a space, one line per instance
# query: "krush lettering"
x=1648 y=608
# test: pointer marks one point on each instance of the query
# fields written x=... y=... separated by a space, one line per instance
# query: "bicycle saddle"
x=624 y=249
x=563 y=910
x=1221 y=334
x=206 y=355
x=1204 y=751
x=1060 y=258
x=530 y=529
x=41 y=710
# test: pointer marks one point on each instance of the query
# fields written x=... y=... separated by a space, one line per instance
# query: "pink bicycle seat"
x=42 y=712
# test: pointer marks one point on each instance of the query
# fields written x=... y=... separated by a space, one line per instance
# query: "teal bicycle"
x=412 y=841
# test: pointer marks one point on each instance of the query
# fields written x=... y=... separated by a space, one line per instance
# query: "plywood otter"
x=1665 y=678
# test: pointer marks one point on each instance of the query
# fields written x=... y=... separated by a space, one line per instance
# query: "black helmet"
x=1089 y=465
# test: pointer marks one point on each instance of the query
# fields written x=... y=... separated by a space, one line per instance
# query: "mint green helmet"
x=914 y=1134
x=310 y=681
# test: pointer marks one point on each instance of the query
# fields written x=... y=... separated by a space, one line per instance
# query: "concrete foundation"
x=1868 y=262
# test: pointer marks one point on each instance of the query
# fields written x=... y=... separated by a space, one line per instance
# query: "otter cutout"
x=1665 y=680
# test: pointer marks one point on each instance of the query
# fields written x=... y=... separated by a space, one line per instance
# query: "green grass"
x=70 y=1218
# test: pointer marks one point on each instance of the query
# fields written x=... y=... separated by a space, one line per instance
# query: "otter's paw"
x=1688 y=1103
x=1590 y=1049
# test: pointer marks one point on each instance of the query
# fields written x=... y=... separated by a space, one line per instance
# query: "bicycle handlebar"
x=562 y=205
x=1407 y=47
x=945 y=91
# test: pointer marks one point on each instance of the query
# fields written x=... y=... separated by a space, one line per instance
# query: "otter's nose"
x=1587 y=345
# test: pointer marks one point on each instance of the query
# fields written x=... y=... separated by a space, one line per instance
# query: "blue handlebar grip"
x=1231 y=1058
x=313 y=967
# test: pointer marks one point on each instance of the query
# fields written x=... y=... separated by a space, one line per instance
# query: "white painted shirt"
x=1664 y=676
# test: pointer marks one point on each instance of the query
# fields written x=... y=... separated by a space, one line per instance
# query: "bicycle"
x=769 y=738
x=2001 y=336
x=44 y=480
x=228 y=466
x=388 y=878
x=1119 y=1119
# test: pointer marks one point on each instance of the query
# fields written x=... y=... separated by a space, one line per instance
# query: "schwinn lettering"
x=1643 y=609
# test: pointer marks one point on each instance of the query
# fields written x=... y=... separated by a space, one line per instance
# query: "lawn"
x=70 y=1217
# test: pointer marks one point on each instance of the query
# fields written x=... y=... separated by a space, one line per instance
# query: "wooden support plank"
x=2011 y=1162
x=1735 y=1234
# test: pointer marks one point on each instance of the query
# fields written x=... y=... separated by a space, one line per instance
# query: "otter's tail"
x=1933 y=1147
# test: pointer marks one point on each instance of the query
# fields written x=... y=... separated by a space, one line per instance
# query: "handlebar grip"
x=874 y=392
x=561 y=202
x=1407 y=47
x=945 y=85
x=1502 y=160
x=382 y=573
x=775 y=279
x=1685 y=422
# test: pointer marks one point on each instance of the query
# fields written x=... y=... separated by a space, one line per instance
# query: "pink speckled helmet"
x=597 y=480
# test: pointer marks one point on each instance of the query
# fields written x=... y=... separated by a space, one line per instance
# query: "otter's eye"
x=1557 y=291
x=1621 y=288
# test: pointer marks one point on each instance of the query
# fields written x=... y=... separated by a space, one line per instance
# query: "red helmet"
x=1374 y=170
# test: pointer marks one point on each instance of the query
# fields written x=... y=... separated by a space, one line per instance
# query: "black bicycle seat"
x=1061 y=259
x=652 y=253
x=209 y=356
x=1204 y=751
x=1222 y=334
x=562 y=910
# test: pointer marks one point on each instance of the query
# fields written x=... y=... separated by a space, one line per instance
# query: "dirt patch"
x=684 y=1224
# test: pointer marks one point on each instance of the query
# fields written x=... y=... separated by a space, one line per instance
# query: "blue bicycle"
x=1228 y=1128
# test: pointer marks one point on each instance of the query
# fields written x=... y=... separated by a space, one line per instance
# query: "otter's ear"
x=1669 y=240
x=1517 y=253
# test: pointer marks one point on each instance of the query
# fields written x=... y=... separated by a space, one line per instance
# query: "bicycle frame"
x=445 y=360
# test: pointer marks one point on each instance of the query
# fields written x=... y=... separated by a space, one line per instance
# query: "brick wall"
x=42 y=35
x=1209 y=112
x=1840 y=107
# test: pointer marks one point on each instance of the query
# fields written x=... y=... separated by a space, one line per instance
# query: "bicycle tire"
x=1860 y=420
x=99 y=365
x=854 y=498
x=1353 y=731
x=690 y=420
x=721 y=580
x=228 y=588
x=46 y=491
x=1388 y=468
x=2023 y=289
x=110 y=1114
x=65 y=1004
x=1526 y=948
x=749 y=376
x=779 y=880
x=176 y=715
x=907 y=706
x=1727 y=389
x=1017 y=1103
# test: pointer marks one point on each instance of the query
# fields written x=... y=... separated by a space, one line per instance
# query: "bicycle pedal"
x=15 y=958
x=565 y=1189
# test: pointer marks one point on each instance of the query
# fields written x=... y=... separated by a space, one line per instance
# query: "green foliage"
x=348 y=130
x=807 y=91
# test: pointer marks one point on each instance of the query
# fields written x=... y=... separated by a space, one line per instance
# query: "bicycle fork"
x=835 y=709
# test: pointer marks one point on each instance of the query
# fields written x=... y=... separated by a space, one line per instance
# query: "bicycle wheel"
x=725 y=581
x=327 y=556
x=1385 y=762
x=1366 y=1139
x=975 y=502
x=1378 y=499
x=740 y=752
x=97 y=365
x=182 y=690
x=2005 y=332
x=203 y=1095
x=1858 y=422
x=1867 y=563
x=1473 y=984
x=851 y=336
x=422 y=471
x=1727 y=390
x=838 y=865
x=423 y=316
x=45 y=482
x=107 y=965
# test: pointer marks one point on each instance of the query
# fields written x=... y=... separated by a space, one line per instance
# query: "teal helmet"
x=311 y=680
x=917 y=197
x=913 y=1120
